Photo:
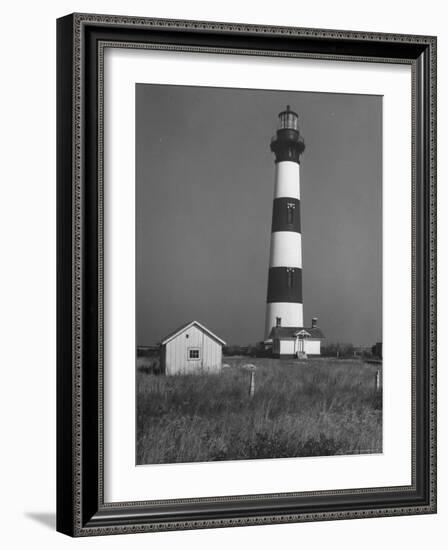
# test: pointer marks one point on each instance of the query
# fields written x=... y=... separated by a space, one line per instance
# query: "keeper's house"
x=296 y=341
x=191 y=349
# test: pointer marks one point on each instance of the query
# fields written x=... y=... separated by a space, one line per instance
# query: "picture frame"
x=81 y=506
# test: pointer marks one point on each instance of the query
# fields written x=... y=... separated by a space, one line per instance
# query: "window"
x=193 y=353
x=288 y=119
x=290 y=213
x=290 y=273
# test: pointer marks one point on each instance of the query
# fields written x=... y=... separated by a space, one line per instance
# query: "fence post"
x=252 y=384
x=377 y=380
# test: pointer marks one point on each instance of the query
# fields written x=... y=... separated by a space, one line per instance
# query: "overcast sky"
x=204 y=191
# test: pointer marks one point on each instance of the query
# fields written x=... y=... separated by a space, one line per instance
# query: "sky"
x=204 y=192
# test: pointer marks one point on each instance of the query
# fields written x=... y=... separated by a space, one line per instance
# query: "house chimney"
x=314 y=322
x=278 y=321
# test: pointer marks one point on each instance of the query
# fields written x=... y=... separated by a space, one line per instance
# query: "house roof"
x=290 y=333
x=187 y=326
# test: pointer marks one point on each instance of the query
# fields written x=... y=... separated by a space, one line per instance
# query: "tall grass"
x=314 y=408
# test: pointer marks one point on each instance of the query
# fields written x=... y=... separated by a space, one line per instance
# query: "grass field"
x=317 y=407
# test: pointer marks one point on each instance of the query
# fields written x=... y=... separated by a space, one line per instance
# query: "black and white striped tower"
x=284 y=300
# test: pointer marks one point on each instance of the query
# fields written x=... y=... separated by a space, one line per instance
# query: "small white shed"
x=191 y=349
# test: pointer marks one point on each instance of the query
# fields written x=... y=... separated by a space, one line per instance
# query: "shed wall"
x=287 y=347
x=312 y=347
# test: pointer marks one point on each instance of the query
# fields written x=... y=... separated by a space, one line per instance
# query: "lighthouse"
x=284 y=297
x=284 y=330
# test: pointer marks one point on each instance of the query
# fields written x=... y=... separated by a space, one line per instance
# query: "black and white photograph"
x=258 y=274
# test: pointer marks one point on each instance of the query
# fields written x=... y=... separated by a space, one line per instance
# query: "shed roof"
x=290 y=333
x=173 y=334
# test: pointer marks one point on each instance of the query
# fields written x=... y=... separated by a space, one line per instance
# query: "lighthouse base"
x=289 y=313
